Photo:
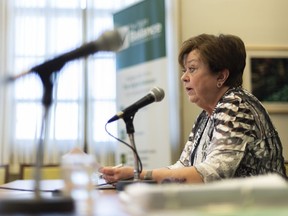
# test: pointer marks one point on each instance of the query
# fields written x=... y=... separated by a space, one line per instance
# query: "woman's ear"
x=223 y=75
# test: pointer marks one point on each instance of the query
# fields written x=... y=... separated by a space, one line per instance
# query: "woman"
x=233 y=136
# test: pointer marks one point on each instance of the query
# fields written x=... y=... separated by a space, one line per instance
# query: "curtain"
x=4 y=90
x=84 y=90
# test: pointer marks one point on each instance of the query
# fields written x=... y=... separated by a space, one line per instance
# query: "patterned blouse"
x=237 y=140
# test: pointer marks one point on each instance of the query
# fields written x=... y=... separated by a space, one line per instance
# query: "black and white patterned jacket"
x=237 y=140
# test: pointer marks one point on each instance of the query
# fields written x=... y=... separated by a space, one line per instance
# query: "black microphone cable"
x=25 y=190
x=60 y=190
x=132 y=148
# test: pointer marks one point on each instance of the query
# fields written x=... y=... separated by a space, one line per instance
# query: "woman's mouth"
x=188 y=90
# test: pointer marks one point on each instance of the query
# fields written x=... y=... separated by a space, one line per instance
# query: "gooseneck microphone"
x=108 y=41
x=156 y=94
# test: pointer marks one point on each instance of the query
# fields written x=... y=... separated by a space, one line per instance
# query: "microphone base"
x=120 y=185
x=36 y=206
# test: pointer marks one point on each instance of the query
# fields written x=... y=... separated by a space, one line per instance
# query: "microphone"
x=108 y=41
x=156 y=94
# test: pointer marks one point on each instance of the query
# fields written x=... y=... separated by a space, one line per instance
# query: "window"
x=84 y=90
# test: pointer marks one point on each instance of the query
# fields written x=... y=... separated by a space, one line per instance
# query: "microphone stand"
x=130 y=131
x=38 y=204
x=120 y=185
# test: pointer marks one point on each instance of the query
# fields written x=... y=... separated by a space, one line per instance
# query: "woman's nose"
x=184 y=77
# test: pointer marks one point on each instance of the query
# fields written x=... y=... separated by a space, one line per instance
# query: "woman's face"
x=199 y=82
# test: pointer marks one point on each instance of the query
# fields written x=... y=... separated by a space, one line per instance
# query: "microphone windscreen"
x=111 y=40
x=158 y=93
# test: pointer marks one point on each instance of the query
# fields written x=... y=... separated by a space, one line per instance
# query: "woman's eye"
x=191 y=69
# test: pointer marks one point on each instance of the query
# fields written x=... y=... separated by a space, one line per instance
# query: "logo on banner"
x=140 y=32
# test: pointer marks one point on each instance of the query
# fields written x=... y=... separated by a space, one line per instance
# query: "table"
x=181 y=202
x=106 y=202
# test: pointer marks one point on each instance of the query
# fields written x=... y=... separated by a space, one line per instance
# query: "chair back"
x=51 y=171
x=4 y=173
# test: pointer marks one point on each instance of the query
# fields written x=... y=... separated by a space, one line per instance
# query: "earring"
x=219 y=84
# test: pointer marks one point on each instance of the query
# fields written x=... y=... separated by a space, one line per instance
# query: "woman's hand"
x=112 y=174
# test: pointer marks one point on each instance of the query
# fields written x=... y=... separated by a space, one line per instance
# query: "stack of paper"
x=265 y=191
